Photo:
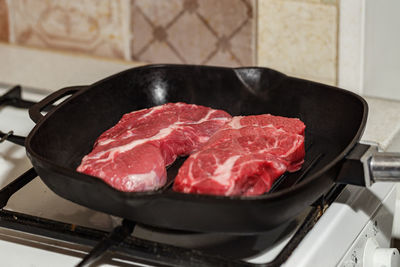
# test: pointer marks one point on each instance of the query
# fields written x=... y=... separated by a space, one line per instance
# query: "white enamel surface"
x=20 y=250
x=340 y=226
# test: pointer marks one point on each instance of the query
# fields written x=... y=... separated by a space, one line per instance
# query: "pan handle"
x=365 y=165
x=385 y=167
x=34 y=111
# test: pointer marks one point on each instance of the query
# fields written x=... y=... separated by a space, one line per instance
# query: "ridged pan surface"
x=334 y=120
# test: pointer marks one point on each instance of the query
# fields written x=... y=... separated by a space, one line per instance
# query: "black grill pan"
x=334 y=120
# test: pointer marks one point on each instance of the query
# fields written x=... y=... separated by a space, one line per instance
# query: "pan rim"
x=177 y=195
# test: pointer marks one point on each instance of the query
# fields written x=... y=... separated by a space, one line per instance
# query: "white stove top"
x=334 y=240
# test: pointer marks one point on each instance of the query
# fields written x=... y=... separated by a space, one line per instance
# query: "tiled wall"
x=197 y=31
x=297 y=37
x=3 y=21
x=95 y=27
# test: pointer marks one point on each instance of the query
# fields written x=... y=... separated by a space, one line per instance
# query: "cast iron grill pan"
x=334 y=120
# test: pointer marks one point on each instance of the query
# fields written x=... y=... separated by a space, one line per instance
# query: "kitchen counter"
x=383 y=121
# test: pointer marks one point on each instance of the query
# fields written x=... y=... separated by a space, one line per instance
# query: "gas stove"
x=343 y=228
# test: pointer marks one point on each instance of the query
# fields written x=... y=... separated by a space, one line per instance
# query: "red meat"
x=133 y=155
x=244 y=157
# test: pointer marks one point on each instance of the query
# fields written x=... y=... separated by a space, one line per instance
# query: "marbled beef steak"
x=133 y=155
x=244 y=157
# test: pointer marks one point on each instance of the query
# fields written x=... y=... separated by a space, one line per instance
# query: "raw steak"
x=244 y=157
x=132 y=155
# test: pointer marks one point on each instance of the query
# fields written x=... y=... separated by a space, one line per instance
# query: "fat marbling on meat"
x=133 y=155
x=244 y=157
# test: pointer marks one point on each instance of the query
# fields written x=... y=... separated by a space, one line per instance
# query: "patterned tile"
x=194 y=31
x=298 y=38
x=3 y=21
x=96 y=27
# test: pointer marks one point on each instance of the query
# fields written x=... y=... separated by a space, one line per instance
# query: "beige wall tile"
x=3 y=21
x=194 y=31
x=90 y=26
x=330 y=2
x=192 y=47
x=298 y=38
